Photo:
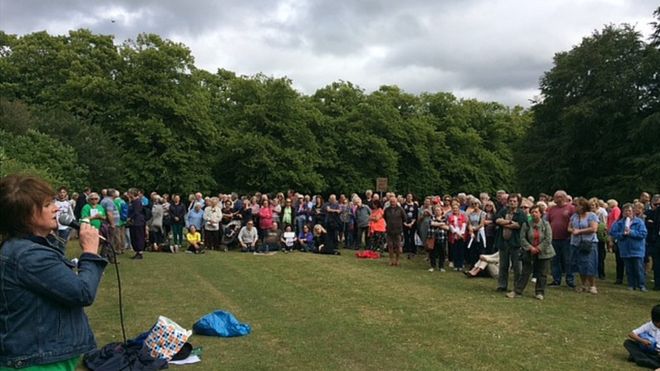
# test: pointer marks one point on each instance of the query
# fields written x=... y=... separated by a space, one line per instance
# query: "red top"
x=377 y=225
x=613 y=216
x=559 y=217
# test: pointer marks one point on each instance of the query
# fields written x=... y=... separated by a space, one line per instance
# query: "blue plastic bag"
x=221 y=323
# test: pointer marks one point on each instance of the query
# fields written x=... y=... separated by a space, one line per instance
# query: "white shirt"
x=63 y=207
x=649 y=328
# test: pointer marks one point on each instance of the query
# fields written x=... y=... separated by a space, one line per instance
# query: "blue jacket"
x=632 y=245
x=41 y=302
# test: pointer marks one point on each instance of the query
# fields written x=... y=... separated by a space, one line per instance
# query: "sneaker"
x=511 y=294
x=533 y=280
x=225 y=249
x=451 y=264
x=643 y=289
x=431 y=269
x=539 y=296
x=593 y=290
x=255 y=253
x=554 y=284
x=442 y=270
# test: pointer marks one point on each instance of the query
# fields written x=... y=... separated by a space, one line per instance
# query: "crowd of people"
x=557 y=235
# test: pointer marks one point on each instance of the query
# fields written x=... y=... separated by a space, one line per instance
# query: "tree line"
x=81 y=110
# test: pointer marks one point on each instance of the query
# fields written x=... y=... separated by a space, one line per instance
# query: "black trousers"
x=437 y=255
x=409 y=240
x=602 y=252
x=619 y=264
x=212 y=240
x=641 y=358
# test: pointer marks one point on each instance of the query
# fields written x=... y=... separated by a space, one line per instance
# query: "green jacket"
x=545 y=237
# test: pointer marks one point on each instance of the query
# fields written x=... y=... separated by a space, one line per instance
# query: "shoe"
x=593 y=290
x=171 y=248
x=554 y=284
x=451 y=264
x=539 y=296
x=431 y=269
x=442 y=270
x=571 y=285
x=189 y=252
x=643 y=289
x=501 y=289
x=137 y=257
x=511 y=294
x=533 y=280
x=618 y=282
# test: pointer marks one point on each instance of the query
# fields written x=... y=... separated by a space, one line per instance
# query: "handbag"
x=429 y=245
x=584 y=247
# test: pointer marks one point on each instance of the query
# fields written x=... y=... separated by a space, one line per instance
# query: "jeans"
x=562 y=263
x=635 y=272
x=177 y=234
x=509 y=258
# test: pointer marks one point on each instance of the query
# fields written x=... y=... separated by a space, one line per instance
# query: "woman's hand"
x=89 y=238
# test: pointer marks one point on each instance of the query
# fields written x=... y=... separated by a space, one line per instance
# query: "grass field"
x=311 y=312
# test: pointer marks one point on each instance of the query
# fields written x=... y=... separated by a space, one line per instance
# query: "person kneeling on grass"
x=319 y=241
x=643 y=342
x=194 y=241
x=271 y=240
x=248 y=237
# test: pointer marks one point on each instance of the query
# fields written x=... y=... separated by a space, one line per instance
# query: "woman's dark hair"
x=655 y=313
x=376 y=204
x=535 y=207
x=21 y=196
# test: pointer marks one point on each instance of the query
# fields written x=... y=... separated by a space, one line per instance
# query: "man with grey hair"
x=559 y=217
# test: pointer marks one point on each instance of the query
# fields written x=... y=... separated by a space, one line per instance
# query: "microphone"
x=68 y=220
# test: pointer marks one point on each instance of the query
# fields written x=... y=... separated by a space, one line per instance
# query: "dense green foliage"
x=142 y=114
x=596 y=130
x=82 y=110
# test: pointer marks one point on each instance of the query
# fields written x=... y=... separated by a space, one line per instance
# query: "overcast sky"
x=484 y=49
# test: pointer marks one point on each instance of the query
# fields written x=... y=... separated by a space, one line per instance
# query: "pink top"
x=559 y=217
x=265 y=218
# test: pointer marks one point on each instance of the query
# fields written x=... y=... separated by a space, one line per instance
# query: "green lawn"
x=312 y=312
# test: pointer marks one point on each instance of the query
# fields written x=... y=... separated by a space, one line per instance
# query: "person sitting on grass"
x=194 y=241
x=642 y=343
x=319 y=241
x=271 y=240
x=288 y=239
x=248 y=237
x=306 y=239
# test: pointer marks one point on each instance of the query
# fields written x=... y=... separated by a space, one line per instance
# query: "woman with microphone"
x=42 y=321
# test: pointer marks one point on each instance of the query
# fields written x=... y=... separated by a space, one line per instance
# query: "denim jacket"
x=41 y=302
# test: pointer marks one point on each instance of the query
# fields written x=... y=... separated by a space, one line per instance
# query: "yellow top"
x=193 y=238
